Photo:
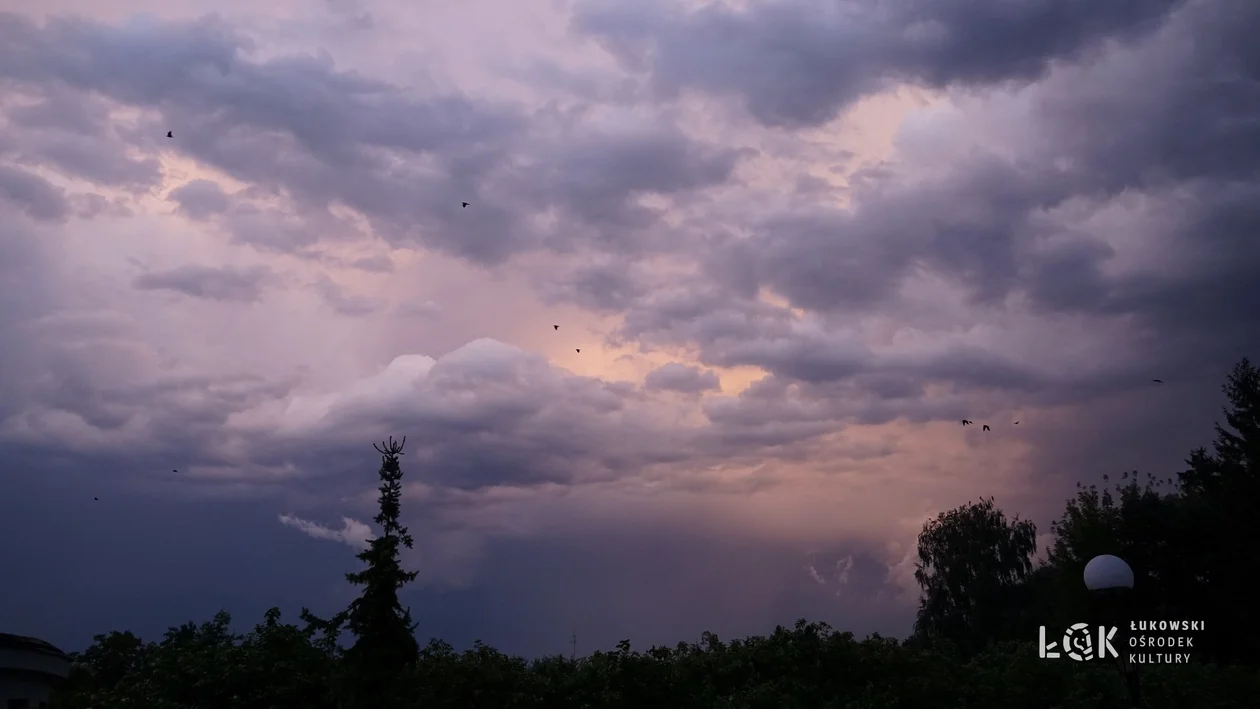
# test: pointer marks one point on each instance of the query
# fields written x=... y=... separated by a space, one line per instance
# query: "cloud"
x=55 y=126
x=488 y=415
x=343 y=303
x=907 y=223
x=225 y=283
x=681 y=378
x=836 y=569
x=301 y=130
x=200 y=199
x=352 y=532
x=843 y=567
x=796 y=63
x=32 y=194
x=419 y=309
x=380 y=263
x=1003 y=223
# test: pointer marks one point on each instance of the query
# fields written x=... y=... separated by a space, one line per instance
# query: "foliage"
x=972 y=564
x=809 y=666
x=983 y=596
x=273 y=665
x=1224 y=487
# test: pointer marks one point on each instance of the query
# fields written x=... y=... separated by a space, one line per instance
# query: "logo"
x=1143 y=642
x=1078 y=643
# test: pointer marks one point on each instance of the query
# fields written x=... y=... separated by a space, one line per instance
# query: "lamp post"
x=1110 y=581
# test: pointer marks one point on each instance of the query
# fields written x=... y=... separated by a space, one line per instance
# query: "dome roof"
x=23 y=642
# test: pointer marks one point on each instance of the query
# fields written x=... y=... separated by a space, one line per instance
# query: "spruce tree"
x=385 y=643
x=1235 y=467
x=1223 y=488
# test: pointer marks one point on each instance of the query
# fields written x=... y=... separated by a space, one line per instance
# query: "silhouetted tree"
x=275 y=665
x=808 y=666
x=1152 y=530
x=385 y=643
x=972 y=564
x=1234 y=465
x=113 y=656
x=1223 y=489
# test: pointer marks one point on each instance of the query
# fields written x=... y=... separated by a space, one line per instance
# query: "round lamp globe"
x=1107 y=572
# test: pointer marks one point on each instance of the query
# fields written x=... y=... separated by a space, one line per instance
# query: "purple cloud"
x=846 y=228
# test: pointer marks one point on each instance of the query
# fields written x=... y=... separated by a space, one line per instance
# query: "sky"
x=795 y=242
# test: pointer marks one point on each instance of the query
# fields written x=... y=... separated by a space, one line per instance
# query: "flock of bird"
x=985 y=426
x=578 y=350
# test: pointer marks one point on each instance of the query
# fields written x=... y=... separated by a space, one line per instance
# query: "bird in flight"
x=985 y=427
x=465 y=204
x=1158 y=381
x=97 y=499
x=579 y=351
x=966 y=422
x=556 y=327
x=1017 y=423
x=170 y=134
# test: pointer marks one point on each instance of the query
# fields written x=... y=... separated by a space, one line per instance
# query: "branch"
x=391 y=447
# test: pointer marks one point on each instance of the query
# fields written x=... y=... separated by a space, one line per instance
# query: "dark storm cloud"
x=681 y=378
x=808 y=395
x=224 y=283
x=1188 y=138
x=1069 y=276
x=485 y=415
x=187 y=413
x=730 y=332
x=489 y=414
x=811 y=357
x=596 y=176
x=973 y=225
x=701 y=313
x=989 y=223
x=607 y=285
x=299 y=127
x=1178 y=155
x=801 y=63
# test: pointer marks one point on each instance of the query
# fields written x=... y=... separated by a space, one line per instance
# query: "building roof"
x=23 y=642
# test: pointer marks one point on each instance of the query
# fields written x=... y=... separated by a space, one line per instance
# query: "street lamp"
x=1108 y=573
x=1110 y=581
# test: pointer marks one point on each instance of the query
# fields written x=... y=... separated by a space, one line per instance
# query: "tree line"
x=984 y=595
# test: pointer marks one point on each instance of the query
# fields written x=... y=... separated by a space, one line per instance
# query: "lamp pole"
x=1110 y=581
